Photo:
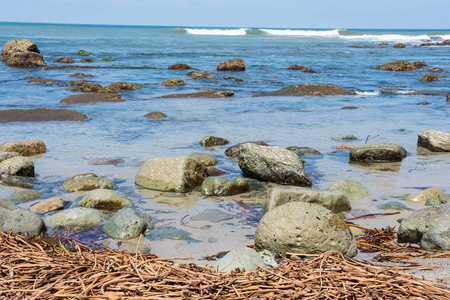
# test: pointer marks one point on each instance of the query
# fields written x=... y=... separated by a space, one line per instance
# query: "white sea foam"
x=445 y=36
x=368 y=93
x=387 y=37
x=403 y=92
x=240 y=31
x=324 y=33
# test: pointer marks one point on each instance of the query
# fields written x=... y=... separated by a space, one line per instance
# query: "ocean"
x=389 y=110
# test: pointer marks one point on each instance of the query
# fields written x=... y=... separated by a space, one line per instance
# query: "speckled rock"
x=273 y=164
x=435 y=141
x=304 y=151
x=155 y=115
x=433 y=201
x=4 y=155
x=425 y=194
x=204 y=159
x=7 y=204
x=224 y=187
x=87 y=183
x=351 y=188
x=22 y=53
x=301 y=227
x=20 y=221
x=335 y=201
x=171 y=174
x=244 y=259
x=127 y=224
x=180 y=67
x=104 y=199
x=17 y=166
x=52 y=204
x=233 y=65
x=212 y=141
x=398 y=65
x=348 y=137
x=75 y=217
x=429 y=227
x=200 y=75
x=24 y=196
x=65 y=60
x=378 y=152
x=26 y=148
x=173 y=82
x=429 y=77
x=234 y=150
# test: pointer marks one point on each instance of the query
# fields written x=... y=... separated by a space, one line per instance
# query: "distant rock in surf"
x=180 y=67
x=398 y=65
x=233 y=65
x=318 y=89
x=203 y=94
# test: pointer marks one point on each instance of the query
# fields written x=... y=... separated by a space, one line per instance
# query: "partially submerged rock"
x=394 y=205
x=16 y=166
x=127 y=224
x=204 y=159
x=203 y=94
x=399 y=45
x=435 y=141
x=39 y=80
x=303 y=151
x=234 y=150
x=65 y=60
x=52 y=204
x=398 y=65
x=245 y=259
x=234 y=79
x=171 y=174
x=200 y=75
x=156 y=115
x=425 y=194
x=420 y=64
x=443 y=43
x=233 y=65
x=429 y=77
x=77 y=217
x=212 y=141
x=317 y=89
x=427 y=227
x=25 y=148
x=22 y=53
x=40 y=114
x=297 y=68
x=300 y=227
x=224 y=187
x=180 y=67
x=351 y=188
x=81 y=75
x=335 y=201
x=173 y=82
x=87 y=183
x=83 y=53
x=104 y=199
x=4 y=155
x=437 y=70
x=273 y=164
x=378 y=152
x=19 y=181
x=24 y=196
x=20 y=221
x=92 y=98
x=348 y=137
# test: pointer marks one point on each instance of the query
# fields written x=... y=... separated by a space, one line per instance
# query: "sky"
x=340 y=14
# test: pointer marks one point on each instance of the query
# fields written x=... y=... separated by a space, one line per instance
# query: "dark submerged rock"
x=156 y=115
x=173 y=82
x=40 y=114
x=398 y=65
x=212 y=141
x=429 y=77
x=202 y=94
x=297 y=67
x=444 y=43
x=437 y=70
x=81 y=75
x=86 y=60
x=399 y=45
x=378 y=152
x=92 y=98
x=420 y=64
x=65 y=60
x=318 y=89
x=43 y=81
x=180 y=67
x=303 y=151
x=200 y=75
x=22 y=53
x=234 y=78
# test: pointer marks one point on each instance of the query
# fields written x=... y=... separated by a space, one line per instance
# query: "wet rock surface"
x=435 y=141
x=171 y=174
x=273 y=164
x=429 y=77
x=425 y=194
x=20 y=221
x=156 y=115
x=304 y=151
x=233 y=65
x=43 y=81
x=335 y=201
x=22 y=53
x=224 y=187
x=200 y=75
x=87 y=183
x=204 y=159
x=180 y=67
x=17 y=166
x=25 y=148
x=92 y=98
x=173 y=82
x=127 y=224
x=378 y=152
x=351 y=188
x=104 y=199
x=317 y=89
x=234 y=150
x=212 y=141
x=300 y=227
x=40 y=114
x=202 y=94
x=398 y=65
x=65 y=60
x=24 y=196
x=76 y=217
x=52 y=204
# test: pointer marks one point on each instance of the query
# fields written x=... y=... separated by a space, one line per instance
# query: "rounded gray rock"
x=352 y=188
x=300 y=227
x=244 y=259
x=223 y=187
x=17 y=166
x=435 y=141
x=127 y=224
x=104 y=199
x=74 y=217
x=20 y=221
x=87 y=183
x=25 y=196
x=378 y=152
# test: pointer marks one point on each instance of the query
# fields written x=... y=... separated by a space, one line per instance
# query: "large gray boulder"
x=334 y=201
x=224 y=187
x=75 y=217
x=22 y=53
x=127 y=224
x=351 y=188
x=104 y=199
x=378 y=152
x=244 y=259
x=429 y=227
x=20 y=220
x=300 y=227
x=171 y=174
x=435 y=141
x=87 y=183
x=17 y=166
x=275 y=164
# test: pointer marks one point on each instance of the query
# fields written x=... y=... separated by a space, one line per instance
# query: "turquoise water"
x=119 y=130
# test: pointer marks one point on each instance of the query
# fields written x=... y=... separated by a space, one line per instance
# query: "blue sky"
x=395 y=14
